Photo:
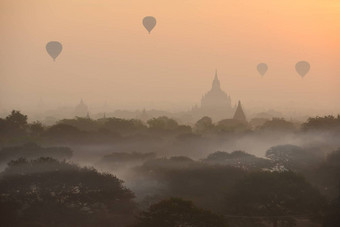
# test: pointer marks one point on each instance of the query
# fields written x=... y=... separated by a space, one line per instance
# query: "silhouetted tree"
x=238 y=159
x=274 y=195
x=14 y=125
x=327 y=175
x=36 y=128
x=278 y=124
x=17 y=119
x=293 y=157
x=176 y=212
x=326 y=123
x=232 y=126
x=162 y=123
x=257 y=122
x=332 y=217
x=203 y=183
x=81 y=123
x=204 y=125
x=3 y=128
x=63 y=132
x=124 y=126
x=46 y=192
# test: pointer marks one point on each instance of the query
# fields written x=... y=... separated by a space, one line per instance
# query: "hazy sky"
x=108 y=56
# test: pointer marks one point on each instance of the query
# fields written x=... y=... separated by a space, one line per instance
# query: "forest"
x=126 y=172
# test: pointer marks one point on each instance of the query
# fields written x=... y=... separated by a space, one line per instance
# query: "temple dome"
x=216 y=103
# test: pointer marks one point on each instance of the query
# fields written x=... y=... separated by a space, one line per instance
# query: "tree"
x=63 y=132
x=238 y=159
x=232 y=126
x=326 y=123
x=278 y=124
x=36 y=128
x=47 y=192
x=203 y=125
x=274 y=195
x=17 y=120
x=123 y=126
x=293 y=157
x=203 y=183
x=162 y=123
x=176 y=212
x=327 y=175
x=3 y=128
x=14 y=126
x=332 y=218
x=81 y=123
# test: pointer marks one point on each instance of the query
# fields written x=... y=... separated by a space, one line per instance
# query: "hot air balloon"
x=53 y=49
x=262 y=68
x=302 y=68
x=149 y=23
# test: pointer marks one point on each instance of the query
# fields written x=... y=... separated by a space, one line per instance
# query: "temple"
x=239 y=114
x=81 y=109
x=215 y=104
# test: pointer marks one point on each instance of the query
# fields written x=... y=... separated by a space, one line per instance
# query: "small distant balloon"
x=54 y=48
x=149 y=23
x=262 y=68
x=302 y=68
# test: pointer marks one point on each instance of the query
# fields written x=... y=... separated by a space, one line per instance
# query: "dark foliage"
x=239 y=159
x=327 y=123
x=232 y=126
x=162 y=123
x=327 y=175
x=205 y=184
x=204 y=125
x=176 y=212
x=46 y=192
x=17 y=120
x=274 y=195
x=278 y=124
x=293 y=157
x=14 y=125
x=332 y=217
x=124 y=126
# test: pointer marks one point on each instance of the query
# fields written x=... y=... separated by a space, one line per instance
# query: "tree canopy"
x=48 y=192
x=176 y=212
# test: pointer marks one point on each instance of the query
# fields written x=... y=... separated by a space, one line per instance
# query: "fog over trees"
x=185 y=113
x=121 y=172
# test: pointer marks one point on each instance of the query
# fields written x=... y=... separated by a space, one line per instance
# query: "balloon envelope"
x=53 y=49
x=302 y=68
x=149 y=23
x=262 y=68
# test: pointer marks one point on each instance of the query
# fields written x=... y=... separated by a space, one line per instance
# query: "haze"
x=109 y=58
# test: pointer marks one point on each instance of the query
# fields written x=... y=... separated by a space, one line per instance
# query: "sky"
x=109 y=58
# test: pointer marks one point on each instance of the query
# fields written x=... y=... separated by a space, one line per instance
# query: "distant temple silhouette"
x=217 y=104
x=239 y=114
x=81 y=110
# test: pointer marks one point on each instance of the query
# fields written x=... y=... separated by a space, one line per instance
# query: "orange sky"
x=108 y=56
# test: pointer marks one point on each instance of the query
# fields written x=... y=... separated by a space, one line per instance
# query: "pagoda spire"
x=216 y=82
x=239 y=114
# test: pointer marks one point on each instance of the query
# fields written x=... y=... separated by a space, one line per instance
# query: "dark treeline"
x=44 y=182
x=15 y=128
